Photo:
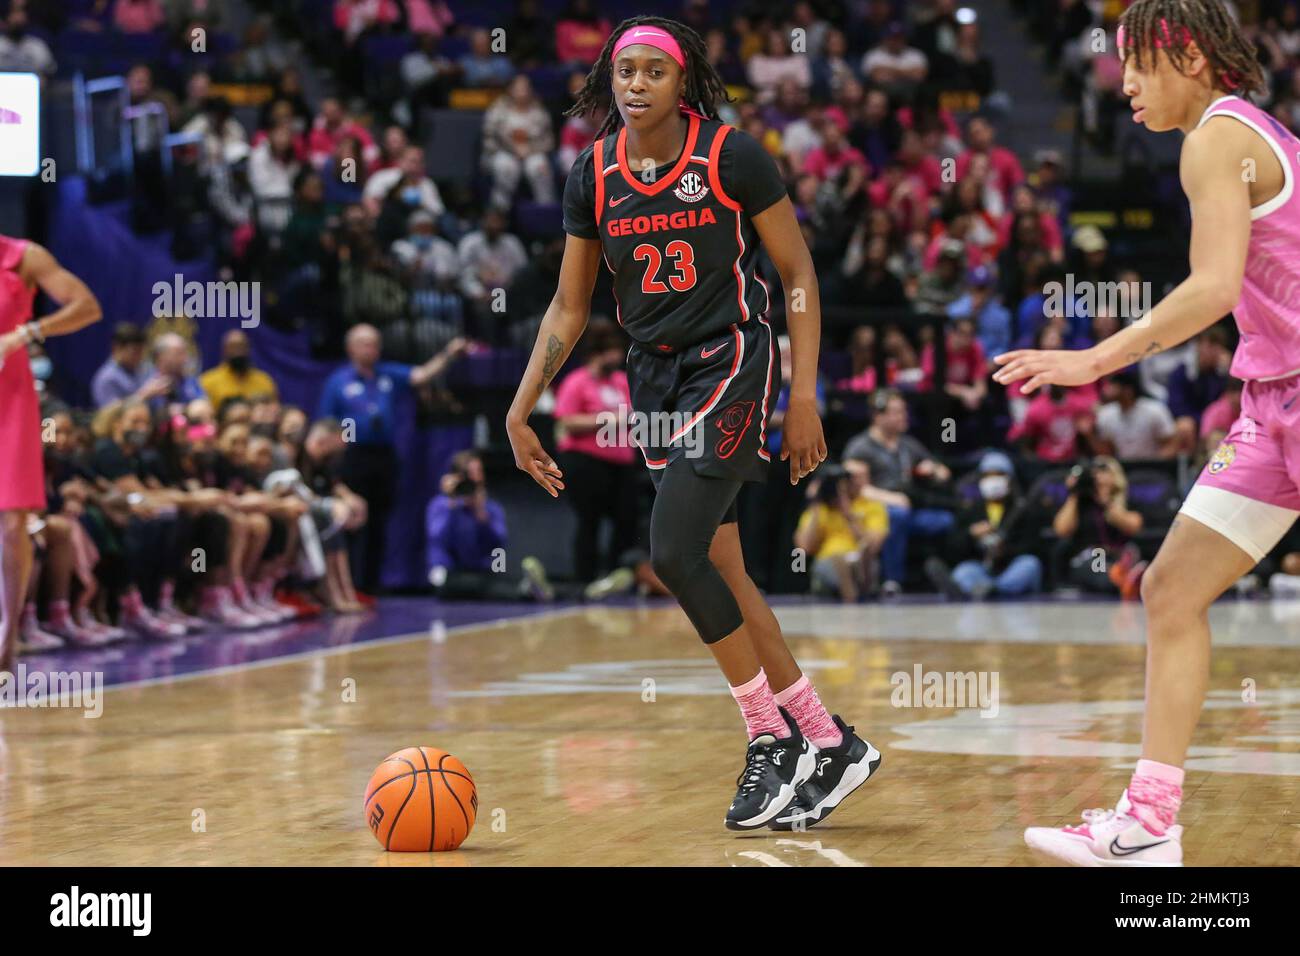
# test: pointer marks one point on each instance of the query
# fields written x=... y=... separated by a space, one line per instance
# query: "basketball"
x=421 y=799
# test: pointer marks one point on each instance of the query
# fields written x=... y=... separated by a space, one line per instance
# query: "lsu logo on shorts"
x=1223 y=456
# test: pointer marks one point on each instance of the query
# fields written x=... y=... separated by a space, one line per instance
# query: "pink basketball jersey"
x=1268 y=314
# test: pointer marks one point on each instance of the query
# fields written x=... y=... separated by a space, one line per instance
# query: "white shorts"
x=1254 y=526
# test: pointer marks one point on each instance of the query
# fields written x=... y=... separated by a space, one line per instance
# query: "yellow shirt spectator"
x=837 y=536
x=222 y=383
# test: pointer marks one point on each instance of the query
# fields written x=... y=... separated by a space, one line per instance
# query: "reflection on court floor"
x=603 y=735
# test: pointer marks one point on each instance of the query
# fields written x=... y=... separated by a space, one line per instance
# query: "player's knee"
x=1165 y=598
x=1153 y=587
x=58 y=530
x=675 y=560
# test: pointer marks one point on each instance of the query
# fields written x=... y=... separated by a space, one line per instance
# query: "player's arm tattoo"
x=1151 y=349
x=554 y=356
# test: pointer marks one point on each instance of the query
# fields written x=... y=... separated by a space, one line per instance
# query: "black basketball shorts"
x=708 y=402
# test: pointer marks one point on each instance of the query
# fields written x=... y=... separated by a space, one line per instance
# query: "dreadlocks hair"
x=1170 y=24
x=704 y=87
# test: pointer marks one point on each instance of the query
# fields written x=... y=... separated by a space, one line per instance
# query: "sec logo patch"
x=691 y=188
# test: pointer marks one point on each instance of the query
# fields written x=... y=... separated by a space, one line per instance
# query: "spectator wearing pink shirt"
x=354 y=17
x=981 y=138
x=1025 y=200
x=428 y=17
x=837 y=162
x=1219 y=415
x=591 y=411
x=965 y=386
x=919 y=164
x=138 y=16
x=1054 y=420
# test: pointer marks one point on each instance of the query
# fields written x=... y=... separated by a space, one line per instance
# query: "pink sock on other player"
x=758 y=707
x=60 y=614
x=1156 y=792
x=802 y=703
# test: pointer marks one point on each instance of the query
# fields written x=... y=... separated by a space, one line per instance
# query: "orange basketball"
x=421 y=799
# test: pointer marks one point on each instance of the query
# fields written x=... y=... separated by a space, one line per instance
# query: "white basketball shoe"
x=1109 y=838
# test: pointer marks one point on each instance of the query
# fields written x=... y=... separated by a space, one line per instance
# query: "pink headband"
x=661 y=40
x=651 y=36
x=1167 y=41
x=1161 y=42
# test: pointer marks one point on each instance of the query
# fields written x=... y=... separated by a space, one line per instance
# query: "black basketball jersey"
x=682 y=244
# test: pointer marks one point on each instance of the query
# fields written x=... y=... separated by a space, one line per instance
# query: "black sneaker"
x=774 y=770
x=937 y=571
x=840 y=770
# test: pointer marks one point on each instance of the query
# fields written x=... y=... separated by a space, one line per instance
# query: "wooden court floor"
x=605 y=737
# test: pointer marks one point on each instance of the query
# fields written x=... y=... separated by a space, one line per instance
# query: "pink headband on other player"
x=660 y=39
x=1167 y=41
x=1160 y=42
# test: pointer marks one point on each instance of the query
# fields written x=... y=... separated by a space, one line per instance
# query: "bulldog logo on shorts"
x=1223 y=456
x=733 y=423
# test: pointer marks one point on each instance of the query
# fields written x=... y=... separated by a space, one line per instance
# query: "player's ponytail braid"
x=705 y=90
x=1168 y=24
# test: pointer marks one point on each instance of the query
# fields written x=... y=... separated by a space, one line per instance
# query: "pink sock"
x=60 y=615
x=758 y=707
x=132 y=603
x=802 y=703
x=1156 y=791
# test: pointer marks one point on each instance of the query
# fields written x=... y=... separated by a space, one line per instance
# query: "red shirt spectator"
x=977 y=254
x=1007 y=172
x=1052 y=426
x=966 y=362
x=332 y=126
x=580 y=37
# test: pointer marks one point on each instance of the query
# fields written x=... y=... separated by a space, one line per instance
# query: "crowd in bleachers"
x=1079 y=36
x=936 y=248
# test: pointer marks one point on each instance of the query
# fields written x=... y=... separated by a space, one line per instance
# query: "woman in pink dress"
x=25 y=266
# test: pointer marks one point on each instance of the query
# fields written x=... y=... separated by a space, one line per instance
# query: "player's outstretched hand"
x=802 y=441
x=530 y=457
x=1045 y=367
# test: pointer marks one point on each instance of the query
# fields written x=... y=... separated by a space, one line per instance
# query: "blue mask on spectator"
x=422 y=242
x=411 y=195
x=42 y=367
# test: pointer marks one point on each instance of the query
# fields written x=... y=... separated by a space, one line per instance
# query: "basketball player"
x=24 y=267
x=1187 y=66
x=676 y=203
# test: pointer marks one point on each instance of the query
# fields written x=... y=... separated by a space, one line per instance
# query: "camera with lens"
x=1084 y=484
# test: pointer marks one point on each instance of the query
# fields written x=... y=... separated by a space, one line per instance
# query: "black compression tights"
x=687 y=511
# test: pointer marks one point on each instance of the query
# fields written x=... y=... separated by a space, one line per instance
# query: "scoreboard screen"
x=20 y=124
